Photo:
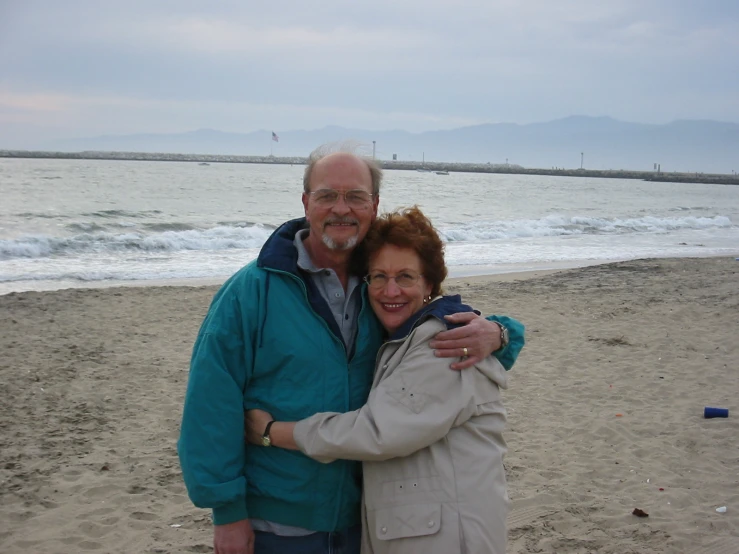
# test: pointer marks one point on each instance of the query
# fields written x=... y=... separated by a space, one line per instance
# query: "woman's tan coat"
x=431 y=440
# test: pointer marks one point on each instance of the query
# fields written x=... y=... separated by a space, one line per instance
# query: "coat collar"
x=437 y=308
x=279 y=252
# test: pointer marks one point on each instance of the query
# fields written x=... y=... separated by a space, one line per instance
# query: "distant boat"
x=423 y=170
x=203 y=163
x=442 y=172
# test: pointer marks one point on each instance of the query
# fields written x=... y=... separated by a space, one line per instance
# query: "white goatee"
x=333 y=245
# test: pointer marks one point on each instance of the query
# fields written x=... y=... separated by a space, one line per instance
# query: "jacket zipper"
x=346 y=388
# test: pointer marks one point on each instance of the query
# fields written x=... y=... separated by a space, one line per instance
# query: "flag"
x=275 y=137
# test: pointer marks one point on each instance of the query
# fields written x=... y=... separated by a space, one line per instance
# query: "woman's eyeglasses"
x=404 y=280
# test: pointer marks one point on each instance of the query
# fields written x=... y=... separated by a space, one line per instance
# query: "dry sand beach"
x=605 y=412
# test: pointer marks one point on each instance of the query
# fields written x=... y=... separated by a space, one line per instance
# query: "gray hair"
x=349 y=147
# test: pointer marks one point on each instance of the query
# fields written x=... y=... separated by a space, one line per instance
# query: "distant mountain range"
x=597 y=142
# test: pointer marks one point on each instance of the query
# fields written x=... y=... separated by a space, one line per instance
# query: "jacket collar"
x=279 y=252
x=438 y=308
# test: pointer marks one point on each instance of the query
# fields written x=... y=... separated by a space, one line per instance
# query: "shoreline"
x=53 y=286
x=461 y=167
x=501 y=273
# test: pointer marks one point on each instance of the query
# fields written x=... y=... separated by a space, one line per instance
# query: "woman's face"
x=394 y=304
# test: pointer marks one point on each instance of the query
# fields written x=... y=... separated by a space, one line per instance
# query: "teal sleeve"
x=211 y=446
x=507 y=356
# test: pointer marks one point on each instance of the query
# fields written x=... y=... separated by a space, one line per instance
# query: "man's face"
x=343 y=224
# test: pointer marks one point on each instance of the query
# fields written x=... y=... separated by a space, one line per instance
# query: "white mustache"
x=334 y=220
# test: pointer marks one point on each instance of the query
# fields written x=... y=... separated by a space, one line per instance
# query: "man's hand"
x=255 y=422
x=234 y=538
x=479 y=336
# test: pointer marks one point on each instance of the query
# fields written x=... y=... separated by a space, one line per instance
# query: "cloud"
x=30 y=102
x=221 y=36
x=94 y=115
x=413 y=63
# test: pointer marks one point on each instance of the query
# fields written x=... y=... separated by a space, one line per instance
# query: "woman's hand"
x=255 y=422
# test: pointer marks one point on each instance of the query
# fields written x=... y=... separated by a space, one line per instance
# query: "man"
x=292 y=333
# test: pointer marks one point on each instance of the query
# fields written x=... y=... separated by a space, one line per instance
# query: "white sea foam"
x=231 y=238
x=557 y=225
x=216 y=238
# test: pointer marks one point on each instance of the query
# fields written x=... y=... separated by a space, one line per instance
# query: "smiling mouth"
x=393 y=306
x=341 y=222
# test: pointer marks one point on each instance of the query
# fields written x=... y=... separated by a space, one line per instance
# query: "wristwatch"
x=266 y=441
x=504 y=337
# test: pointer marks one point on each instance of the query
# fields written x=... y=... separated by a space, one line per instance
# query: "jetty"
x=435 y=167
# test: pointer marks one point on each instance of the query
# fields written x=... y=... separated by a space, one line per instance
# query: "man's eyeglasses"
x=404 y=280
x=327 y=198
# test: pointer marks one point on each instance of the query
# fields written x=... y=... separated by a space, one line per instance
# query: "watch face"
x=266 y=441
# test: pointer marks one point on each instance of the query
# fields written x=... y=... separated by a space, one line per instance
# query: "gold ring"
x=464 y=352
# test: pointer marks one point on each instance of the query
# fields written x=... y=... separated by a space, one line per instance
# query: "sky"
x=83 y=68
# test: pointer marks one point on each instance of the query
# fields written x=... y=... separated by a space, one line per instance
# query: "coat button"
x=384 y=530
x=431 y=523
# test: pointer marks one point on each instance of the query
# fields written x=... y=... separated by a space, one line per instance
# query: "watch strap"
x=504 y=337
x=265 y=436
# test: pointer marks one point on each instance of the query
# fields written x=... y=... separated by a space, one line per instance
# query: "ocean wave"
x=34 y=215
x=216 y=238
x=107 y=214
x=172 y=237
x=245 y=224
x=557 y=225
x=173 y=226
x=86 y=276
x=86 y=227
x=691 y=208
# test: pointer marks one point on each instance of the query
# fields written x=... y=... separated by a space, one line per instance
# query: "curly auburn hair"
x=405 y=228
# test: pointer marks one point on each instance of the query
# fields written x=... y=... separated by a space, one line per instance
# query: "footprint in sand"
x=90 y=545
x=94 y=530
x=136 y=489
x=82 y=544
x=71 y=475
x=100 y=511
x=144 y=516
x=18 y=517
x=199 y=548
x=105 y=491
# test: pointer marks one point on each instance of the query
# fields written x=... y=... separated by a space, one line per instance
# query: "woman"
x=430 y=438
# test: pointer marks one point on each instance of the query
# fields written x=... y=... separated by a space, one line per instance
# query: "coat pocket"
x=414 y=520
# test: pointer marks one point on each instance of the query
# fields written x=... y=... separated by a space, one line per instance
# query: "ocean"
x=81 y=223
